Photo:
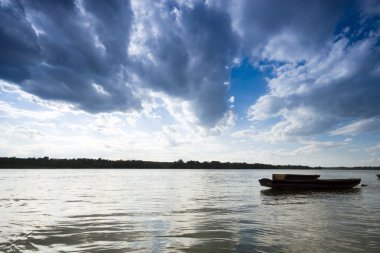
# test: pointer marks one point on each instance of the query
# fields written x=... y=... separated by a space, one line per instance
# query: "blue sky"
x=279 y=82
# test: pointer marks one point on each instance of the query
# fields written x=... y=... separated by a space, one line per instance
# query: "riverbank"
x=81 y=163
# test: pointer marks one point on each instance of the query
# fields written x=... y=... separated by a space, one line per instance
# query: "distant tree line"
x=46 y=162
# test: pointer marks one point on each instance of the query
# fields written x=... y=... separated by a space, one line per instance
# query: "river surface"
x=139 y=210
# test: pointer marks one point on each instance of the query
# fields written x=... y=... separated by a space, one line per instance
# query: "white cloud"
x=243 y=133
x=331 y=87
x=358 y=127
x=16 y=91
x=225 y=124
x=10 y=111
x=285 y=46
x=181 y=111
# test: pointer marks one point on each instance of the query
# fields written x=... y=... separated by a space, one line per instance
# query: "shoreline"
x=86 y=163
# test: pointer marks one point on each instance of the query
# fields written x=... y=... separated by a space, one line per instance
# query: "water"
x=182 y=211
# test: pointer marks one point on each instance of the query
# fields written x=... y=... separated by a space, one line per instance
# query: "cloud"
x=107 y=56
x=183 y=50
x=374 y=148
x=358 y=127
x=371 y=7
x=97 y=55
x=311 y=147
x=286 y=30
x=9 y=111
x=68 y=50
x=338 y=84
x=18 y=42
x=224 y=124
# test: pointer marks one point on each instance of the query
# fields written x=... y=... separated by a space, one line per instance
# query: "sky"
x=277 y=82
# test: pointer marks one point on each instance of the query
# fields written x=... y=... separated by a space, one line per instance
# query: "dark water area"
x=182 y=211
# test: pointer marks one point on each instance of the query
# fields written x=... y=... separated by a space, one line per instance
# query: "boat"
x=323 y=184
x=294 y=177
x=378 y=176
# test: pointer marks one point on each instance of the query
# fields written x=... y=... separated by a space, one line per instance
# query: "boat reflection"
x=276 y=192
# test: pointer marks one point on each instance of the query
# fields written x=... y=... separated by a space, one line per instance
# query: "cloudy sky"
x=280 y=82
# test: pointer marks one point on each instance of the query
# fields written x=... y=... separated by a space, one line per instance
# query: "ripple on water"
x=181 y=211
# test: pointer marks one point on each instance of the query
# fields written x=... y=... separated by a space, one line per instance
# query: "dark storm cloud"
x=186 y=55
x=287 y=30
x=70 y=51
x=18 y=43
x=96 y=54
x=212 y=47
x=77 y=51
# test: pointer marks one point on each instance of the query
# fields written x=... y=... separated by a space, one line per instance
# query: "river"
x=142 y=210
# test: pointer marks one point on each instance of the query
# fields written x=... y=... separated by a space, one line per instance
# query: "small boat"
x=294 y=177
x=323 y=184
x=378 y=176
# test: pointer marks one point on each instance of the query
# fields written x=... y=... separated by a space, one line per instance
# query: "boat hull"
x=322 y=184
x=294 y=177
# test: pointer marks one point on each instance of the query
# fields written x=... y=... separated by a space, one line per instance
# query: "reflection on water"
x=182 y=211
x=309 y=193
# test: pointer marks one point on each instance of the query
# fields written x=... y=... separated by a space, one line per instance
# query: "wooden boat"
x=323 y=184
x=294 y=177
